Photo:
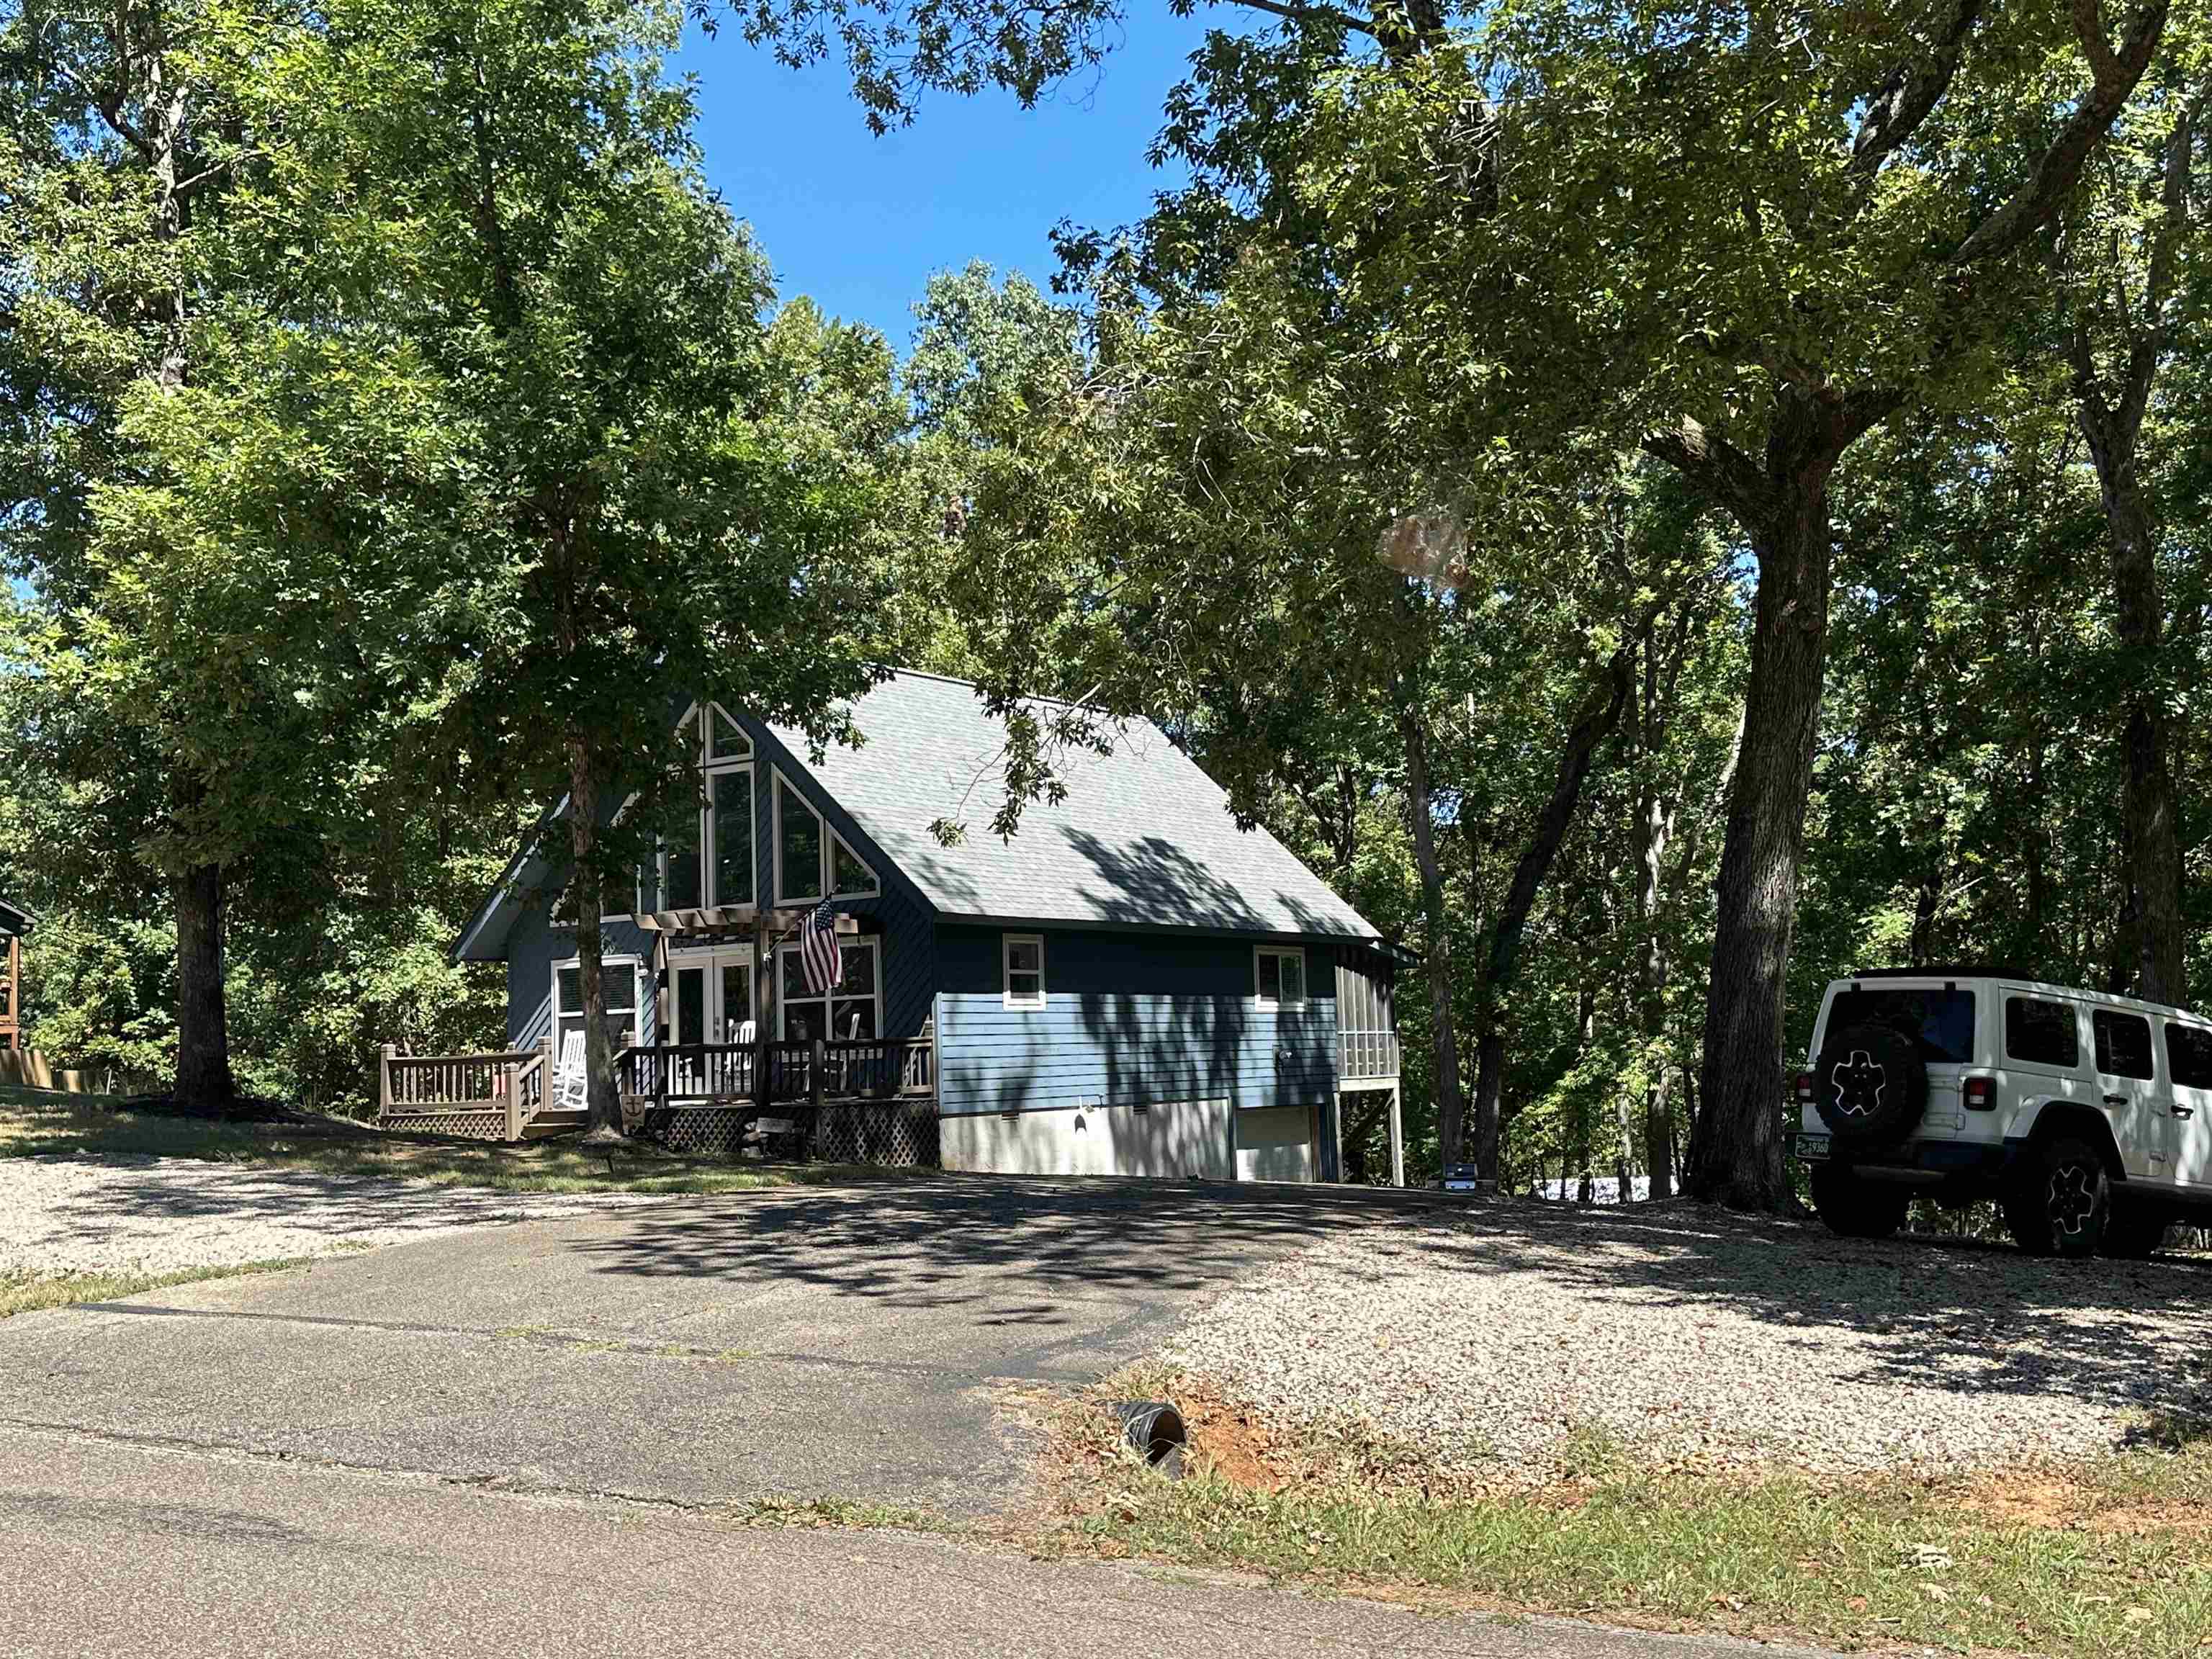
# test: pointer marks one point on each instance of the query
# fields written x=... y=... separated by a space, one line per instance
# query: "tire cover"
x=1870 y=1084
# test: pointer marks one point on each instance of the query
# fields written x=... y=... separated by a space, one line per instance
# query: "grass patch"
x=46 y=1125
x=2110 y=1556
x=28 y=1292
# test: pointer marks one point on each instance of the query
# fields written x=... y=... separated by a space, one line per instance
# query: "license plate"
x=1812 y=1149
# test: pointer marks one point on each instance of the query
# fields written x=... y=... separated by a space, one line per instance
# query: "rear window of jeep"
x=1939 y=1023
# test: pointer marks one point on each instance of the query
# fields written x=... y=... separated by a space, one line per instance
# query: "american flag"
x=818 y=954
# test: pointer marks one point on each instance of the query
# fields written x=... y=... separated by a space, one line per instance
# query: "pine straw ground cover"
x=2106 y=1555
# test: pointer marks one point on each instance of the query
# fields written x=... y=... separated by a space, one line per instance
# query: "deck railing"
x=1366 y=1054
x=855 y=1068
x=512 y=1082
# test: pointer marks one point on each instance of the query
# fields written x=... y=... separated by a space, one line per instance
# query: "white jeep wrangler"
x=2088 y=1117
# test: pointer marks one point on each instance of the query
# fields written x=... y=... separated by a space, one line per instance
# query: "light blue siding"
x=1129 y=1018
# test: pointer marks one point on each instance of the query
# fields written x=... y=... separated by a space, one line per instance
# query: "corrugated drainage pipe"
x=1154 y=1427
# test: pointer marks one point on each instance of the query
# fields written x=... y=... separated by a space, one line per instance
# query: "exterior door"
x=2127 y=1080
x=711 y=999
x=2188 y=1102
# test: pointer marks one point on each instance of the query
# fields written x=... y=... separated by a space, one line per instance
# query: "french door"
x=710 y=1002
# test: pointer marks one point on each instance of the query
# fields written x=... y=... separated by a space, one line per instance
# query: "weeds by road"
x=27 y=1293
x=2098 y=1557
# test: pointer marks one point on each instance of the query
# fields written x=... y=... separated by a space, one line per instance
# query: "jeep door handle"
x=2116 y=1100
x=2185 y=1111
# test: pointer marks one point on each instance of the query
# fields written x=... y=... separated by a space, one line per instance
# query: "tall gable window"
x=811 y=859
x=797 y=847
x=707 y=861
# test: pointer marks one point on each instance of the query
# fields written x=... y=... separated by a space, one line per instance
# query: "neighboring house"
x=1132 y=984
x=14 y=922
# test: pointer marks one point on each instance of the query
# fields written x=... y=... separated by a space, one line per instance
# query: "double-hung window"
x=1022 y=959
x=625 y=988
x=1280 y=976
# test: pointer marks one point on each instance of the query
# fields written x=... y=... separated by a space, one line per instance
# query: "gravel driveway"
x=60 y=1215
x=1491 y=1340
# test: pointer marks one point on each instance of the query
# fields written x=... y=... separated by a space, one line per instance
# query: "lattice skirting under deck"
x=897 y=1133
x=470 y=1125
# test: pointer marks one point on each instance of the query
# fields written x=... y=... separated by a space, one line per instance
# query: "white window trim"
x=1306 y=990
x=710 y=879
x=707 y=739
x=1007 y=997
x=640 y=1026
x=830 y=866
x=865 y=941
x=815 y=895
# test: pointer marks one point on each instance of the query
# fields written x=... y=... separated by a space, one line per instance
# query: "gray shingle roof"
x=1144 y=837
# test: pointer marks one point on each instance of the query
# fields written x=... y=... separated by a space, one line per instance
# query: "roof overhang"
x=14 y=920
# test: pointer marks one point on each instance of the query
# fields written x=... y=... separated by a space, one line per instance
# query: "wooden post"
x=384 y=1082
x=818 y=1063
x=1397 y=1141
x=513 y=1099
x=1336 y=1131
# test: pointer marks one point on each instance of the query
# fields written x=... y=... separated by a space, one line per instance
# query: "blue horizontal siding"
x=1129 y=1019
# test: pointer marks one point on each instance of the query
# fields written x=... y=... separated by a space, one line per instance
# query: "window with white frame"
x=626 y=987
x=855 y=1009
x=1280 y=975
x=1023 y=957
x=707 y=861
x=811 y=859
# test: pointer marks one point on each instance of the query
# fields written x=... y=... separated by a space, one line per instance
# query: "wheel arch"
x=2066 y=1117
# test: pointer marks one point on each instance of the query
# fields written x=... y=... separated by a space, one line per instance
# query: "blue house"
x=1132 y=984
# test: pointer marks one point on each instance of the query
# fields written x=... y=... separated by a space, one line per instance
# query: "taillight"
x=1981 y=1094
x=1804 y=1087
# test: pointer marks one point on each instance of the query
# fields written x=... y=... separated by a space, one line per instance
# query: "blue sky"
x=861 y=222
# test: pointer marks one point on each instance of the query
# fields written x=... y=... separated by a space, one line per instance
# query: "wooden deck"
x=512 y=1095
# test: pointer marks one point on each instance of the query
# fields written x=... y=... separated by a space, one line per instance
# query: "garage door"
x=1275 y=1143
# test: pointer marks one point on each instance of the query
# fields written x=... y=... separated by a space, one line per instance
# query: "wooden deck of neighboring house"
x=14 y=922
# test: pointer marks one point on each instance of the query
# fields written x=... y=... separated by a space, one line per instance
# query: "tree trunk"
x=2148 y=810
x=1599 y=713
x=1927 y=904
x=2110 y=416
x=603 y=1104
x=1737 y=1151
x=204 y=1076
x=1653 y=826
x=1451 y=1119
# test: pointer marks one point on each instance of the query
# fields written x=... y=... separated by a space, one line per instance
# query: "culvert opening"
x=1154 y=1429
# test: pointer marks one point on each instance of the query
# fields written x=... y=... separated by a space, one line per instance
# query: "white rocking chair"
x=572 y=1084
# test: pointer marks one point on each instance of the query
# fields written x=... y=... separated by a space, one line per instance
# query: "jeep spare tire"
x=1870 y=1083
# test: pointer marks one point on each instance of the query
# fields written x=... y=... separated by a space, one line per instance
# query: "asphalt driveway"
x=872 y=1343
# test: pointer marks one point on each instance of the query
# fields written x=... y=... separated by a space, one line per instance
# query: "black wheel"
x=2135 y=1231
x=1854 y=1208
x=2060 y=1203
